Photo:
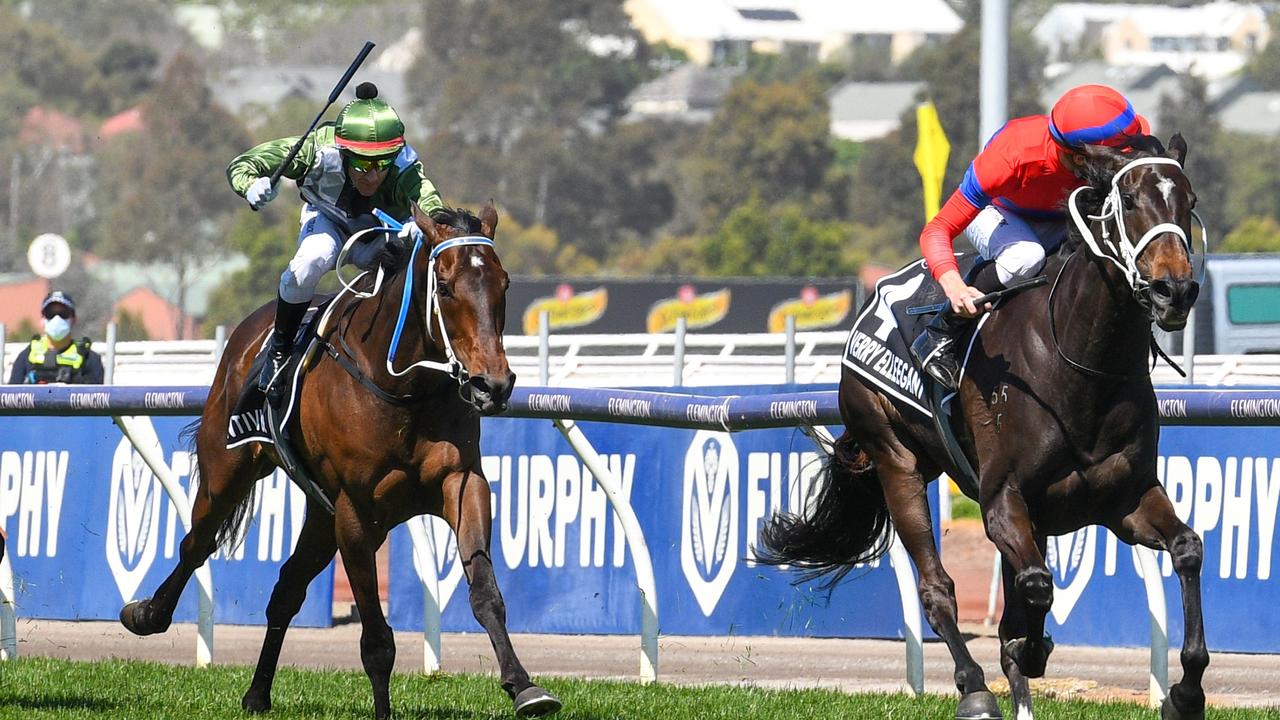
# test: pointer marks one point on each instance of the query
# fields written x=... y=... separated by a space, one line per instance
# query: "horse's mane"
x=1097 y=171
x=458 y=219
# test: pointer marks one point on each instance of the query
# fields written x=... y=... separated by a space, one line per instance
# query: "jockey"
x=1009 y=204
x=344 y=171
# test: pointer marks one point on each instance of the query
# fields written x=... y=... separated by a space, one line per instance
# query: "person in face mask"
x=53 y=356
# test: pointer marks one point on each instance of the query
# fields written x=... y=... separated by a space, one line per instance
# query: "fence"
x=1187 y=472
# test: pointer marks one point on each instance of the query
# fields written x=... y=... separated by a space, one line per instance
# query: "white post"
x=544 y=348
x=635 y=542
x=990 y=619
x=8 y=613
x=1189 y=347
x=4 y=376
x=677 y=362
x=424 y=547
x=142 y=435
x=109 y=358
x=1157 y=613
x=790 y=351
x=944 y=499
x=219 y=343
x=993 y=77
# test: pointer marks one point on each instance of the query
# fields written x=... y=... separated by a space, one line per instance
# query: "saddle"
x=879 y=350
x=255 y=420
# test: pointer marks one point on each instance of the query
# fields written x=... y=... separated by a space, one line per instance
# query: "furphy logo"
x=709 y=517
x=133 y=519
x=1071 y=559
x=435 y=556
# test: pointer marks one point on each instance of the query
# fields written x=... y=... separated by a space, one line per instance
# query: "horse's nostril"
x=1163 y=288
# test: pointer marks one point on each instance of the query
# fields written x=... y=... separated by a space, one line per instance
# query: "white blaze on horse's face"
x=1165 y=186
x=477 y=261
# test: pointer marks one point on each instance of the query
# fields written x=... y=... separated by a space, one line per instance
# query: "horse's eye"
x=1192 y=197
x=444 y=291
x=1127 y=199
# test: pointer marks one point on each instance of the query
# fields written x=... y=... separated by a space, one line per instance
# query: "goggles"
x=364 y=164
x=57 y=311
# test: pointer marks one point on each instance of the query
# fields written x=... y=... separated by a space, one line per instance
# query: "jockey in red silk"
x=1009 y=205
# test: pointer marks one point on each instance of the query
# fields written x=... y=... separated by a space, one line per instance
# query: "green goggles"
x=364 y=164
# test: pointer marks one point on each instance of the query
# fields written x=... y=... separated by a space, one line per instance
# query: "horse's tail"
x=846 y=524
x=231 y=531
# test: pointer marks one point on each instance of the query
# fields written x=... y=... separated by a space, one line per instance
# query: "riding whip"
x=333 y=96
x=989 y=297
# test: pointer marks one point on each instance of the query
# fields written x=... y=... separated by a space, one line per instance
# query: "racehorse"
x=1057 y=416
x=383 y=448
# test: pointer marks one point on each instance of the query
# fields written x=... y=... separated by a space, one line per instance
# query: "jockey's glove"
x=410 y=233
x=260 y=192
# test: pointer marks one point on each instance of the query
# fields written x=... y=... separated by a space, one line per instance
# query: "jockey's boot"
x=935 y=348
x=288 y=318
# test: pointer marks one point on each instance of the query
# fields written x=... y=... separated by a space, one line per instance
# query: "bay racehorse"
x=1058 y=417
x=408 y=445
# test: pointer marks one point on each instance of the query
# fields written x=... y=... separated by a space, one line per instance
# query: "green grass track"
x=45 y=688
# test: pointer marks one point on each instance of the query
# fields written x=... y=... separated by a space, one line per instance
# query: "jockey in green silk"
x=344 y=171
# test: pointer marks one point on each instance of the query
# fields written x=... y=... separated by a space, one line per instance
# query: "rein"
x=1124 y=255
x=452 y=366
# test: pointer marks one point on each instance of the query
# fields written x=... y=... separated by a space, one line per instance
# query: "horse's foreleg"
x=467 y=509
x=358 y=542
x=1155 y=525
x=1013 y=625
x=225 y=479
x=316 y=545
x=1008 y=524
x=906 y=496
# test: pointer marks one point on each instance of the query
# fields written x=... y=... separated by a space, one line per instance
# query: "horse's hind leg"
x=226 y=477
x=906 y=495
x=316 y=545
x=467 y=509
x=1155 y=525
x=358 y=541
x=1013 y=625
x=1009 y=526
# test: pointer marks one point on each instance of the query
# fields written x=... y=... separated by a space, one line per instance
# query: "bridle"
x=452 y=366
x=1124 y=255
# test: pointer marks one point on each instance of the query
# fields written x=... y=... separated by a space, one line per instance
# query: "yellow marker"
x=932 y=151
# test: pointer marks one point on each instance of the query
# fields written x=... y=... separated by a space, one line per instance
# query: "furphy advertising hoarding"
x=90 y=527
x=593 y=305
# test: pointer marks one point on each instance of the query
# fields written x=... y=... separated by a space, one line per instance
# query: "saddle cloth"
x=879 y=346
x=248 y=422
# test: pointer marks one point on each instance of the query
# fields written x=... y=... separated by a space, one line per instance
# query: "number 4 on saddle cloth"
x=879 y=348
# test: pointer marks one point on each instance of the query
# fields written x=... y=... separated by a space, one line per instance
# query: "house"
x=723 y=31
x=1213 y=40
x=244 y=89
x=690 y=93
x=863 y=111
x=1249 y=110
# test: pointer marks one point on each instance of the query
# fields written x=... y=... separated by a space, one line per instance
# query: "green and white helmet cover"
x=369 y=127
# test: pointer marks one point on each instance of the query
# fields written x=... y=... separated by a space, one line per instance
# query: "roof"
x=869 y=110
x=239 y=88
x=690 y=92
x=1066 y=22
x=811 y=20
x=122 y=122
x=1255 y=113
x=46 y=126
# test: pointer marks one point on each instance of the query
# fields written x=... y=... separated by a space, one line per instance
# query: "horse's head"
x=470 y=291
x=1147 y=201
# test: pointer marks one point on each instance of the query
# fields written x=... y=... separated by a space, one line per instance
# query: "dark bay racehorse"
x=380 y=463
x=1059 y=419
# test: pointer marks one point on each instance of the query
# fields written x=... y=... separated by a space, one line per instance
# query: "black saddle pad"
x=248 y=422
x=879 y=346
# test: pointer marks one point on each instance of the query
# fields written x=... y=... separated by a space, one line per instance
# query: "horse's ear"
x=1178 y=148
x=488 y=219
x=428 y=226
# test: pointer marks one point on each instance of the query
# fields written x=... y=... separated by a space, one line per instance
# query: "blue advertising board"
x=89 y=526
x=1225 y=483
x=701 y=497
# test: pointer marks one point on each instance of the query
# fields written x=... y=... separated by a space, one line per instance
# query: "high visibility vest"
x=53 y=367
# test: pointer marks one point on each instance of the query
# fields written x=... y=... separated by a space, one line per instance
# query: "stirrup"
x=271 y=371
x=935 y=350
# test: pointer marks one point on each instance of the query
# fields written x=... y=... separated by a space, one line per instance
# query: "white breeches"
x=1018 y=246
x=319 y=241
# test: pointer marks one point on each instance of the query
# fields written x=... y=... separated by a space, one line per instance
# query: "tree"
x=166 y=188
x=770 y=141
x=1190 y=114
x=1254 y=235
x=268 y=238
x=778 y=239
x=1264 y=67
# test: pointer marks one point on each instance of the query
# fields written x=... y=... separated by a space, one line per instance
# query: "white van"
x=1238 y=311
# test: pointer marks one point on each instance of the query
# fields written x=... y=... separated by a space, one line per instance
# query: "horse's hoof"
x=1192 y=707
x=533 y=701
x=255 y=703
x=134 y=618
x=1030 y=657
x=978 y=705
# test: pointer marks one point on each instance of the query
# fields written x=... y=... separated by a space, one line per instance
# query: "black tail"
x=846 y=524
x=231 y=532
